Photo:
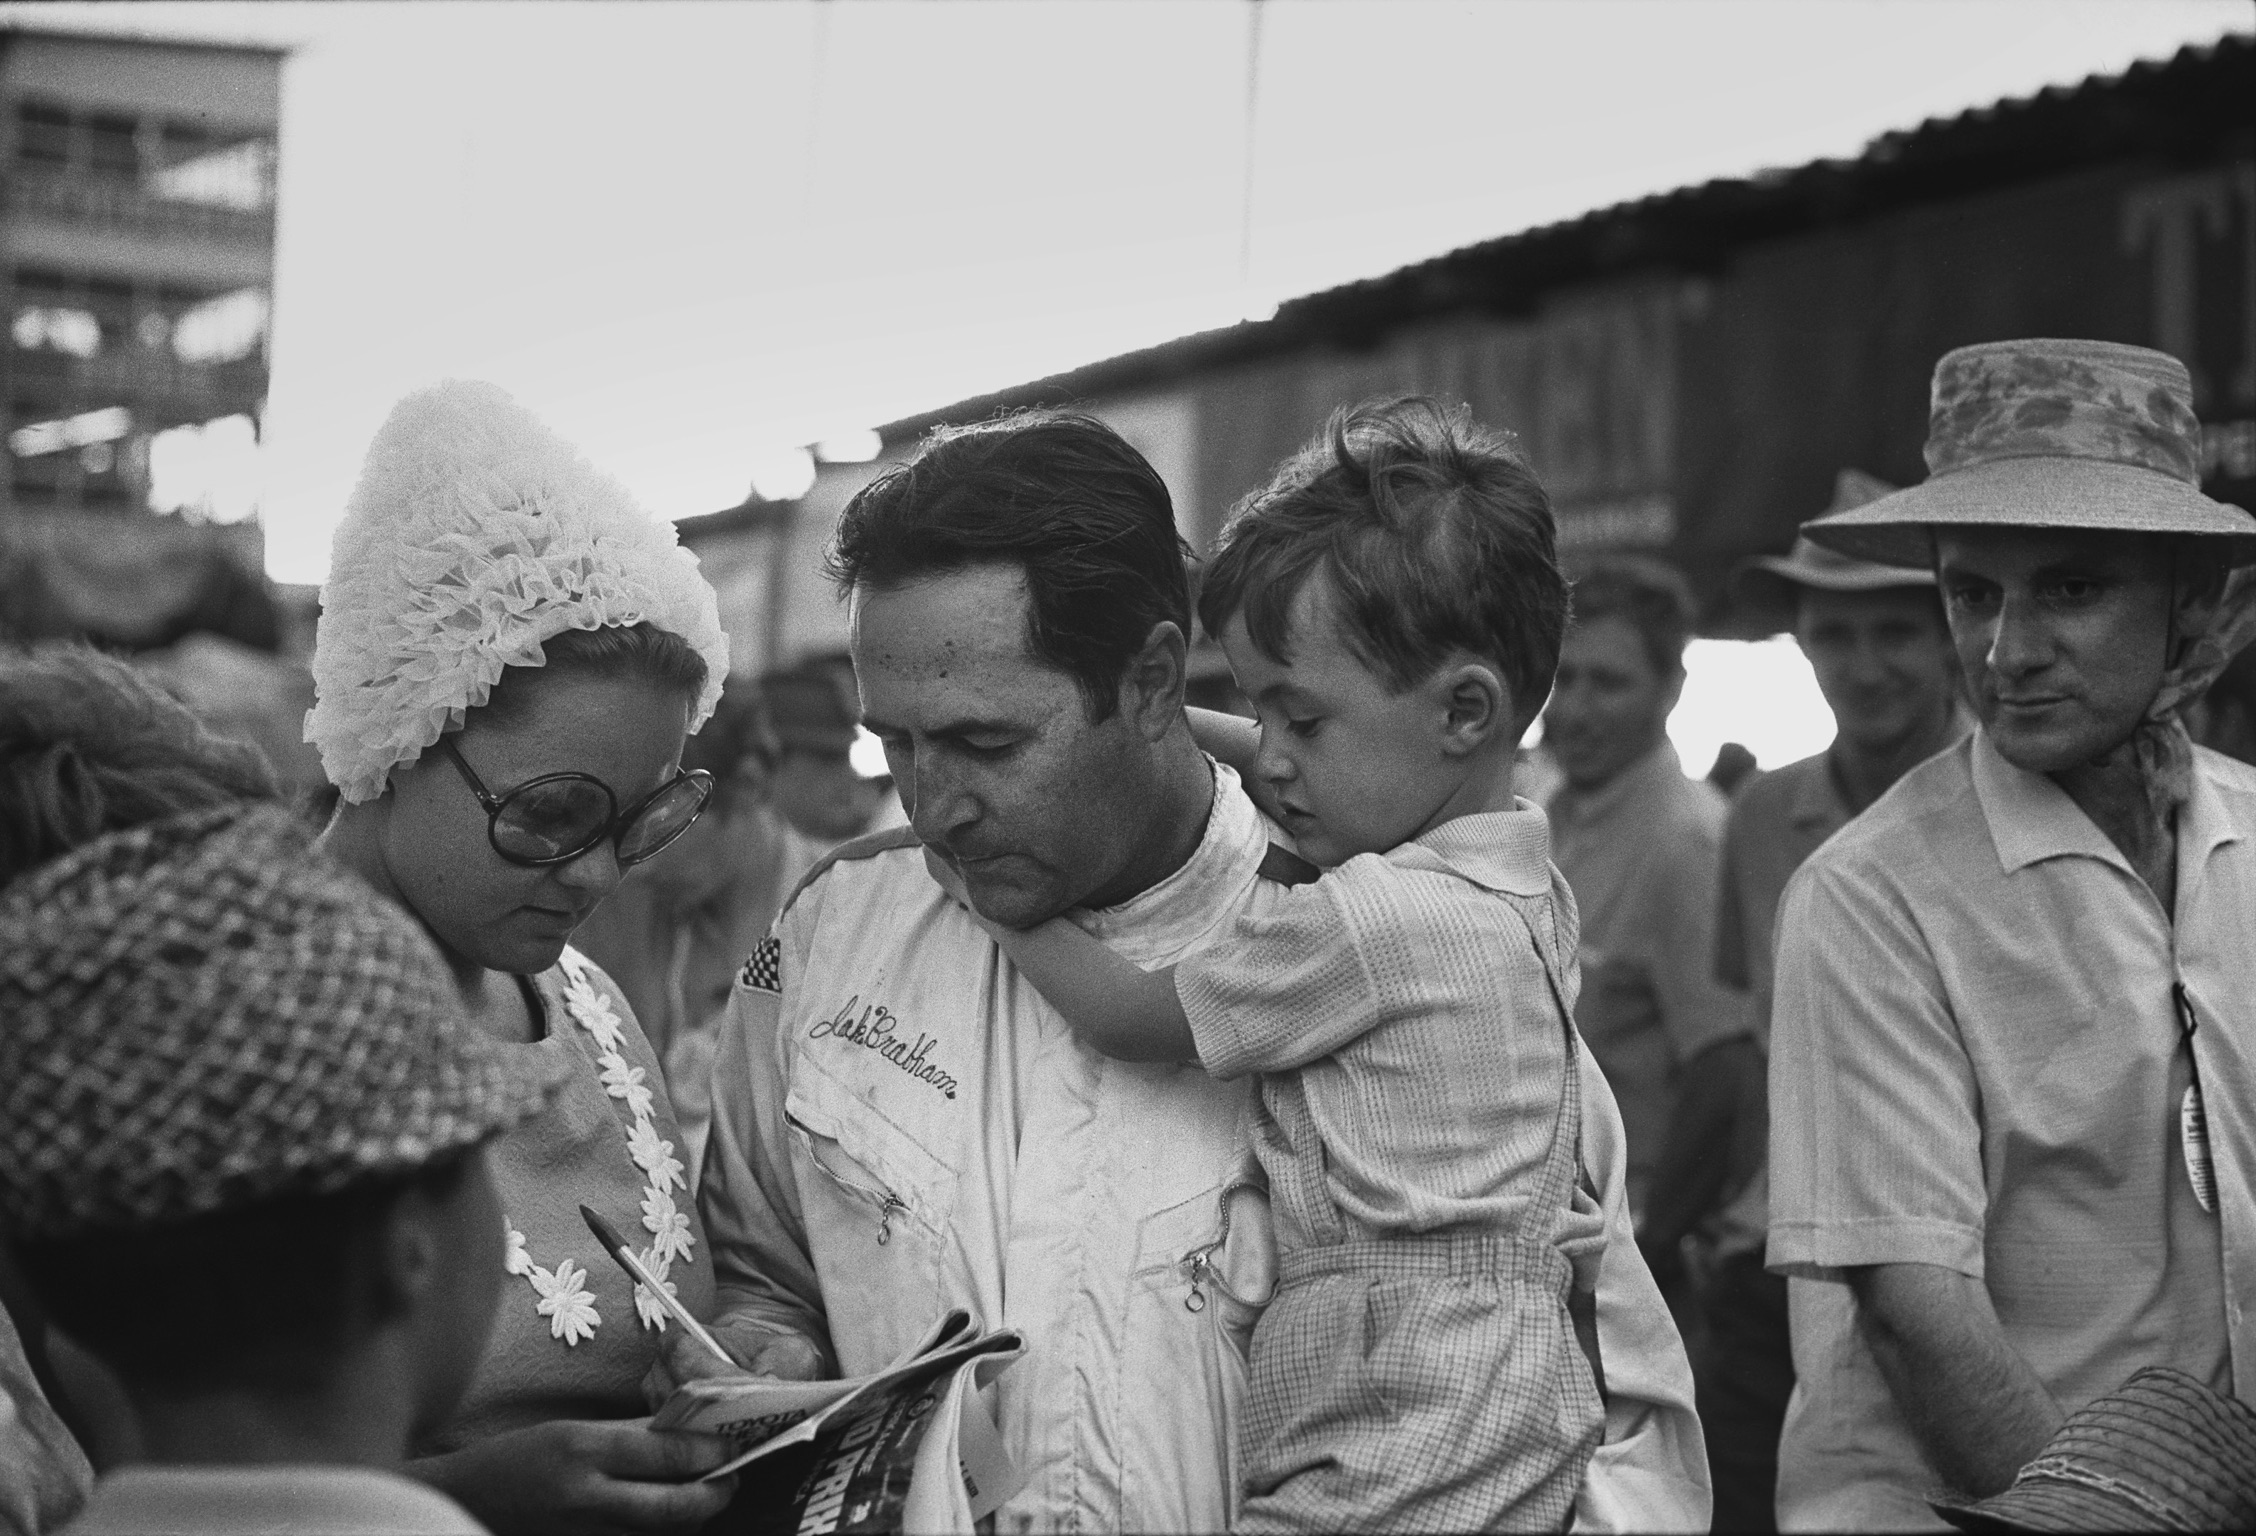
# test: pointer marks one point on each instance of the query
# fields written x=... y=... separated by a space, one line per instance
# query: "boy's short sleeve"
x=1290 y=983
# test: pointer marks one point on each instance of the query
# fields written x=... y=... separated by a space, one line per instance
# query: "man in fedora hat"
x=1876 y=638
x=2013 y=1065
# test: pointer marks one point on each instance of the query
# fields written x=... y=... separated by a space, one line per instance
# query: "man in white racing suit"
x=902 y=1125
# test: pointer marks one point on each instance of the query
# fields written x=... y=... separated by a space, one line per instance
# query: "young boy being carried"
x=241 y=1161
x=1391 y=602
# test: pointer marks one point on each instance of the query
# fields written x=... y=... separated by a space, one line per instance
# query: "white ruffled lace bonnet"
x=474 y=535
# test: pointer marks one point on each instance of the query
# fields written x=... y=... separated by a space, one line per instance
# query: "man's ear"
x=406 y=1263
x=1151 y=690
x=1672 y=693
x=1476 y=706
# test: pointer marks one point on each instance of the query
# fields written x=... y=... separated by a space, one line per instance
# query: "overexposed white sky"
x=691 y=233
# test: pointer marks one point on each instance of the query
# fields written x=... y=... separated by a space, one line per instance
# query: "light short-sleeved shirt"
x=1642 y=854
x=1976 y=1063
x=1776 y=823
x=1404 y=1012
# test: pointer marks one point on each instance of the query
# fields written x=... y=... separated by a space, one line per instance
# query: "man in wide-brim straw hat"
x=2013 y=1054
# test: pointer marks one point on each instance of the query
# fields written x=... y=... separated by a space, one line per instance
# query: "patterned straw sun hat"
x=204 y=1012
x=2050 y=434
x=474 y=535
x=2162 y=1452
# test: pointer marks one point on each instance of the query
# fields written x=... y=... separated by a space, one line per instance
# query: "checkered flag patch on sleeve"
x=763 y=972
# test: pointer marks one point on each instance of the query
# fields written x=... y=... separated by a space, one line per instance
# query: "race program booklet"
x=858 y=1447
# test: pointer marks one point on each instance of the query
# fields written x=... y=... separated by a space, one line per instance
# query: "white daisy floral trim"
x=649 y=1308
x=566 y=1302
x=564 y=1298
x=656 y=1157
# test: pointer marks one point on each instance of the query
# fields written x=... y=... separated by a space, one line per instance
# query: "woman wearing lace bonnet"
x=509 y=657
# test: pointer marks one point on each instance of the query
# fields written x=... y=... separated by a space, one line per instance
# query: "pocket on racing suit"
x=1204 y=1269
x=882 y=1201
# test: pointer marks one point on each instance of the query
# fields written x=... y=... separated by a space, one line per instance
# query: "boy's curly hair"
x=1433 y=531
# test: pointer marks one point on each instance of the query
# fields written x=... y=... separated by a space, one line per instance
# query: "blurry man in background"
x=1640 y=843
x=813 y=783
x=1876 y=638
x=677 y=927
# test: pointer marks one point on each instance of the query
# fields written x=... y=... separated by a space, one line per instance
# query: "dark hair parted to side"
x=1059 y=495
x=89 y=745
x=1433 y=531
x=1652 y=598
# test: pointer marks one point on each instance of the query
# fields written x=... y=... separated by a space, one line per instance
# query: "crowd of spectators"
x=1899 y=1133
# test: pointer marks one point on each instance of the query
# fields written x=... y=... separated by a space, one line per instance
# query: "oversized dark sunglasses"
x=559 y=816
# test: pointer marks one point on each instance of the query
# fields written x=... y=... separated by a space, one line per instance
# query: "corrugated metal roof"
x=2178 y=108
x=133 y=37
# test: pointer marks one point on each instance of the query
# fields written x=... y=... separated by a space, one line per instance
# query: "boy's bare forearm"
x=1232 y=739
x=1236 y=741
x=1115 y=1006
x=1979 y=1411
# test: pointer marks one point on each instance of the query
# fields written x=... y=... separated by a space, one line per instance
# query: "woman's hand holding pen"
x=763 y=1351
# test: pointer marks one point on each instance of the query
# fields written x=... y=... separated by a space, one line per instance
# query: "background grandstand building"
x=137 y=224
x=138 y=236
x=1690 y=370
x=137 y=220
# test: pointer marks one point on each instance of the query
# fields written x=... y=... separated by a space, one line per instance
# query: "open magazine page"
x=860 y=1455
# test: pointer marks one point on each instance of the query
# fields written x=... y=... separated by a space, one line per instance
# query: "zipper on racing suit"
x=1198 y=1265
x=888 y=1203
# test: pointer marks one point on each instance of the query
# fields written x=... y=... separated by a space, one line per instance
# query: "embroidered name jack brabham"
x=873 y=1027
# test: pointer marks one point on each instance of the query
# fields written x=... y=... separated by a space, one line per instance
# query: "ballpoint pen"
x=614 y=1245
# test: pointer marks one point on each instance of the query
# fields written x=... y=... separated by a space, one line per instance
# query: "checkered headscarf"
x=204 y=1012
